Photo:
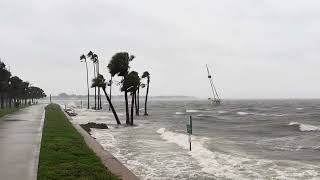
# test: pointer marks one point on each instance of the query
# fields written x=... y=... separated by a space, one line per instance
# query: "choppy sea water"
x=258 y=139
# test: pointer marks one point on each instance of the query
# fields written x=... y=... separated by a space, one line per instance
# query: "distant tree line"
x=130 y=83
x=14 y=91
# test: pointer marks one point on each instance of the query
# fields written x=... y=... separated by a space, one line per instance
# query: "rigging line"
x=211 y=82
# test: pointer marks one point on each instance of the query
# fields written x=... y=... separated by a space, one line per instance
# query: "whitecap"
x=305 y=127
x=242 y=113
x=203 y=115
x=192 y=111
x=179 y=113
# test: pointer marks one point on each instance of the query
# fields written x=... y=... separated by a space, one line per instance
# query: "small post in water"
x=189 y=129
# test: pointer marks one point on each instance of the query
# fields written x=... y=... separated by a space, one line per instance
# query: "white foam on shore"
x=305 y=127
x=230 y=166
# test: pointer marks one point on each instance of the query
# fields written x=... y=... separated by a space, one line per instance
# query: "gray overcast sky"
x=256 y=48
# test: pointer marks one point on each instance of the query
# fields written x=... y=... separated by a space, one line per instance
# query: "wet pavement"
x=20 y=139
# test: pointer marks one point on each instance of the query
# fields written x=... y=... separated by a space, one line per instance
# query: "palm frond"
x=145 y=74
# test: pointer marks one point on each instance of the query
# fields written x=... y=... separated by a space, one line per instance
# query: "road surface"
x=20 y=139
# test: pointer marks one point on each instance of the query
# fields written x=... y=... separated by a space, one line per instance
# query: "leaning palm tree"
x=119 y=65
x=84 y=59
x=146 y=74
x=99 y=81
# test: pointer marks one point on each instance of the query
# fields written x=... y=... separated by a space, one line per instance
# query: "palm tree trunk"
x=137 y=102
x=100 y=102
x=98 y=98
x=88 y=85
x=146 y=101
x=110 y=91
x=132 y=105
x=127 y=107
x=111 y=106
x=99 y=95
x=2 y=101
x=10 y=102
x=95 y=89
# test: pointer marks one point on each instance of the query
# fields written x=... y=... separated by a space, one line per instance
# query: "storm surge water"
x=237 y=140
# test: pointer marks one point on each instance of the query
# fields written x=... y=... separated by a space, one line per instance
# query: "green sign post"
x=189 y=130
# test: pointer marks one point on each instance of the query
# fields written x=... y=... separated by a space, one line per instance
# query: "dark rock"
x=87 y=126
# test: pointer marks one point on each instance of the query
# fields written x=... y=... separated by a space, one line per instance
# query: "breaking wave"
x=304 y=127
x=223 y=165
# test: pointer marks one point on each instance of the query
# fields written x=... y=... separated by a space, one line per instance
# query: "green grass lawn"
x=6 y=111
x=64 y=153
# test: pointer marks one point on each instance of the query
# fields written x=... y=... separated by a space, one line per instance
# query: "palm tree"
x=91 y=55
x=96 y=60
x=84 y=59
x=131 y=83
x=99 y=81
x=119 y=65
x=146 y=74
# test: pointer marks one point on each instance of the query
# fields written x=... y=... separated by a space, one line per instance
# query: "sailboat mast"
x=211 y=83
x=214 y=90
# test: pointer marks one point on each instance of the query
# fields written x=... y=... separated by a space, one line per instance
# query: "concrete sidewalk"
x=20 y=139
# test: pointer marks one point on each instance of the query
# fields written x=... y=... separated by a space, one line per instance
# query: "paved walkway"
x=20 y=139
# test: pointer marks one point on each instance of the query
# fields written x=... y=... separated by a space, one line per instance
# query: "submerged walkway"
x=20 y=139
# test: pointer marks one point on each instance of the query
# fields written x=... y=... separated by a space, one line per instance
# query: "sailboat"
x=216 y=99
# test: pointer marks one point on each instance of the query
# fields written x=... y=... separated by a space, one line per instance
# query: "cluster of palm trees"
x=14 y=91
x=95 y=61
x=130 y=83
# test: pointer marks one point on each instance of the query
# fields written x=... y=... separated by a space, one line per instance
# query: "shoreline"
x=108 y=160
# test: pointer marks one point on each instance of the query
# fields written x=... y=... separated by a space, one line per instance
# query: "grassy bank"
x=64 y=154
x=6 y=111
